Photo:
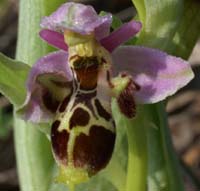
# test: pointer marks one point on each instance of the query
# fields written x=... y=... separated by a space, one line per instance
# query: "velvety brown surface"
x=80 y=117
x=95 y=150
x=87 y=76
x=59 y=142
x=101 y=111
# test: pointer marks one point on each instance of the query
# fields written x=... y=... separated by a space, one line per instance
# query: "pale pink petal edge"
x=158 y=74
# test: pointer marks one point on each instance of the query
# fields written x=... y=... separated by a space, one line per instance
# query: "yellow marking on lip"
x=71 y=176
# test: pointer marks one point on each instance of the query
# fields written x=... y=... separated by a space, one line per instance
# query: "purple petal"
x=54 y=38
x=159 y=75
x=41 y=101
x=78 y=18
x=121 y=35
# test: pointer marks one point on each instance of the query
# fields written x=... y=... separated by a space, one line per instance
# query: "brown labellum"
x=59 y=142
x=80 y=117
x=93 y=152
x=101 y=111
x=83 y=133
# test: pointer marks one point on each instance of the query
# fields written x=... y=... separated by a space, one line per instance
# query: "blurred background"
x=183 y=108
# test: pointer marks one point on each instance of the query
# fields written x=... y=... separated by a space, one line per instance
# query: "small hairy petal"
x=78 y=18
x=126 y=100
x=48 y=83
x=54 y=38
x=121 y=35
x=159 y=75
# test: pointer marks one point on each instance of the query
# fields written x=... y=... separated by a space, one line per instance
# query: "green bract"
x=13 y=75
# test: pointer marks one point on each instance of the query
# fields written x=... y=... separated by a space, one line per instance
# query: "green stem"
x=137 y=154
x=115 y=173
x=172 y=166
x=33 y=153
x=34 y=159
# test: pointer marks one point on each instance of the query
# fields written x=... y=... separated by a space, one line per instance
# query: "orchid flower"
x=72 y=88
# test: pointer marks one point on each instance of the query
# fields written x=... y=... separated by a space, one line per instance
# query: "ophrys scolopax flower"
x=73 y=87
